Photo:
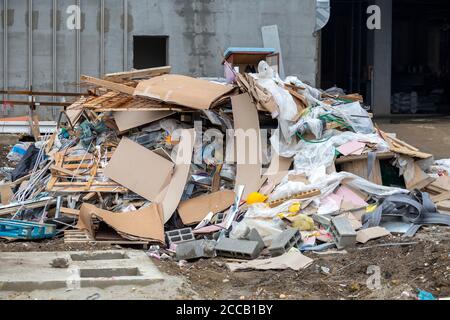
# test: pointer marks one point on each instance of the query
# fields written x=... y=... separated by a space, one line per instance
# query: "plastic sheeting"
x=327 y=185
x=310 y=156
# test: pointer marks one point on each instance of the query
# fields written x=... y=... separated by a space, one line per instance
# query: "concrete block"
x=195 y=249
x=254 y=235
x=343 y=232
x=285 y=241
x=238 y=249
x=180 y=235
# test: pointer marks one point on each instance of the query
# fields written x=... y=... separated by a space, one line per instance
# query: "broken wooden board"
x=142 y=73
x=118 y=87
x=360 y=168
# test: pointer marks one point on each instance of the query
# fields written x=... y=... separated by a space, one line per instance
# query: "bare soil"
x=425 y=265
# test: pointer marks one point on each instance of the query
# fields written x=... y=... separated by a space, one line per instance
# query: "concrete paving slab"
x=28 y=271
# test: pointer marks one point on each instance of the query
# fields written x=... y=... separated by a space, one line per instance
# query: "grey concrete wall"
x=198 y=31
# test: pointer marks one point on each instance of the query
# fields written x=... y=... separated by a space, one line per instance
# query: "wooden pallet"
x=77 y=236
x=82 y=236
x=79 y=174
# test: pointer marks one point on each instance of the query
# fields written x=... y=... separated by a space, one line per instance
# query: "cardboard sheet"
x=170 y=197
x=144 y=224
x=292 y=260
x=6 y=194
x=248 y=172
x=278 y=169
x=139 y=169
x=126 y=120
x=182 y=90
x=365 y=235
x=348 y=195
x=352 y=148
x=195 y=210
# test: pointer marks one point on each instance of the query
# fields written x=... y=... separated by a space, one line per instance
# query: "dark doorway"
x=150 y=51
x=344 y=48
x=421 y=57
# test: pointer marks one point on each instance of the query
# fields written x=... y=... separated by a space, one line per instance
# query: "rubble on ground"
x=147 y=158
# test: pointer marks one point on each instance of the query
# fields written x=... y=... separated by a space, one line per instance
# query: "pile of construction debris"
x=186 y=165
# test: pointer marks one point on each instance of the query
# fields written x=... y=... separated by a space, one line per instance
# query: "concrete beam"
x=383 y=61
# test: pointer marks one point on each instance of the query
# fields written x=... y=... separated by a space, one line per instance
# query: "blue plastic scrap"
x=423 y=295
x=18 y=229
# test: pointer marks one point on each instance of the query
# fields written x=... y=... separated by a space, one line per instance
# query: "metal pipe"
x=125 y=35
x=78 y=51
x=54 y=34
x=102 y=38
x=5 y=47
x=30 y=44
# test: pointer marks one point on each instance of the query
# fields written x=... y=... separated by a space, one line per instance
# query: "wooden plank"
x=93 y=188
x=109 y=85
x=151 y=72
x=93 y=174
x=51 y=183
x=70 y=212
x=360 y=168
x=65 y=171
x=89 y=196
x=441 y=197
x=83 y=184
x=380 y=156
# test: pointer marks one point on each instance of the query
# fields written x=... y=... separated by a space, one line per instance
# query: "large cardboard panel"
x=126 y=120
x=139 y=169
x=278 y=169
x=182 y=90
x=248 y=172
x=195 y=210
x=145 y=224
x=170 y=197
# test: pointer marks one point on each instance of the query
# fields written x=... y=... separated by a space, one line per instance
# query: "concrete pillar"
x=383 y=61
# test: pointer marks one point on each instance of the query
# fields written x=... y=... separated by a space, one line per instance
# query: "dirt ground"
x=425 y=264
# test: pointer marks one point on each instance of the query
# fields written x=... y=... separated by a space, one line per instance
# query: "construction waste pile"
x=262 y=170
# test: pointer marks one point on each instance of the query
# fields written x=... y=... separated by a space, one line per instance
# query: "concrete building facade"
x=41 y=51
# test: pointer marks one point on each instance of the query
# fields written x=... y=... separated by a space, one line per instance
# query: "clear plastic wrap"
x=314 y=155
x=356 y=116
x=266 y=79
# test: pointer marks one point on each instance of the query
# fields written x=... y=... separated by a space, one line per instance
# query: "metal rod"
x=37 y=104
x=102 y=38
x=54 y=34
x=42 y=93
x=78 y=51
x=5 y=46
x=125 y=35
x=30 y=44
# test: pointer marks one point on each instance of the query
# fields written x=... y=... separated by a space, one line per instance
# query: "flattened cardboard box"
x=139 y=169
x=170 y=197
x=126 y=120
x=145 y=224
x=182 y=90
x=248 y=172
x=195 y=210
